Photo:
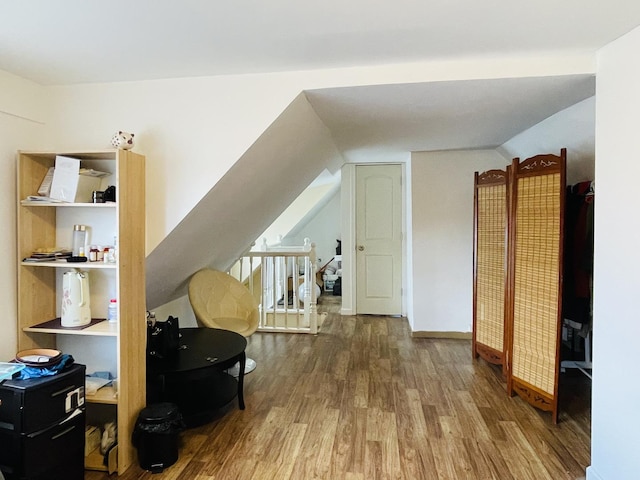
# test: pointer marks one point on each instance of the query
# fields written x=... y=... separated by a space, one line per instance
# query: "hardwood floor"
x=362 y=400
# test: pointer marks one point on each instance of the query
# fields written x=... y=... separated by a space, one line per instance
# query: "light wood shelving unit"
x=46 y=224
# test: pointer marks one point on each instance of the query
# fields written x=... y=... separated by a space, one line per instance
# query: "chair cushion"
x=221 y=301
x=238 y=325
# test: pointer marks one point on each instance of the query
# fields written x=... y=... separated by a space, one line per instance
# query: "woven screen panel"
x=490 y=276
x=535 y=320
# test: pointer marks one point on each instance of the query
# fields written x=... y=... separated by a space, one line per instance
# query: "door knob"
x=361 y=248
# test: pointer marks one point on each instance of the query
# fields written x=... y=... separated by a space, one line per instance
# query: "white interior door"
x=379 y=239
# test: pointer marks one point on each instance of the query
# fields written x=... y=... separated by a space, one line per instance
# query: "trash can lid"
x=159 y=413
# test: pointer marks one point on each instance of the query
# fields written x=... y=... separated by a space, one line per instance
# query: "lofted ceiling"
x=79 y=41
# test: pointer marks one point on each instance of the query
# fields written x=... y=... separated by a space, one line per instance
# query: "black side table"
x=195 y=378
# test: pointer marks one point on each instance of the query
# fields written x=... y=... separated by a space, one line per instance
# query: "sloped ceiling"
x=384 y=122
x=266 y=179
x=573 y=128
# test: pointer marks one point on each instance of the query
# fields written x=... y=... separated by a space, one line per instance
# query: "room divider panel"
x=489 y=266
x=534 y=291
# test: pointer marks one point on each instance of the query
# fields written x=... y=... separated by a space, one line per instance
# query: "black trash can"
x=156 y=436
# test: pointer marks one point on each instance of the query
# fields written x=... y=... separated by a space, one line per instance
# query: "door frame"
x=348 y=221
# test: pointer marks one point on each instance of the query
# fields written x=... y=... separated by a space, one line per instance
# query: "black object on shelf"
x=109 y=194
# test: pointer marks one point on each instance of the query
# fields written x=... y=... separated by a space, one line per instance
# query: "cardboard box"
x=92 y=438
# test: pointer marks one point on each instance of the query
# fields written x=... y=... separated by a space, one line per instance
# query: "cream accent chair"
x=221 y=301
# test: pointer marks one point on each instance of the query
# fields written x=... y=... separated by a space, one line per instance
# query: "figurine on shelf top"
x=122 y=140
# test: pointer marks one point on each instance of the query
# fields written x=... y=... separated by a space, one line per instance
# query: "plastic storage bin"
x=42 y=426
x=156 y=436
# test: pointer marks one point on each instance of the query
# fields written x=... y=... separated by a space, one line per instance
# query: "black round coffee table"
x=195 y=377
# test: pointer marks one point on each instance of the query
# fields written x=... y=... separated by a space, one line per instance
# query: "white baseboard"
x=346 y=311
x=592 y=474
x=450 y=335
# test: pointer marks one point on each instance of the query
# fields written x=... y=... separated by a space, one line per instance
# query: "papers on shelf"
x=45 y=186
x=93 y=384
x=90 y=172
x=38 y=198
x=48 y=255
x=65 y=179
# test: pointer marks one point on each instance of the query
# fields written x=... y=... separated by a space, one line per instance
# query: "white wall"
x=323 y=229
x=615 y=419
x=408 y=268
x=181 y=308
x=443 y=281
x=297 y=215
x=21 y=112
x=348 y=229
x=442 y=241
x=22 y=98
x=559 y=131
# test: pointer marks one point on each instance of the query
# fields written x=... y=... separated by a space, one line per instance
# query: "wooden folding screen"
x=534 y=292
x=489 y=265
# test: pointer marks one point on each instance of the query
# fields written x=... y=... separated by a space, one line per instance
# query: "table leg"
x=243 y=361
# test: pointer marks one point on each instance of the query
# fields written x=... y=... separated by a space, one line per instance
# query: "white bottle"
x=112 y=311
x=113 y=251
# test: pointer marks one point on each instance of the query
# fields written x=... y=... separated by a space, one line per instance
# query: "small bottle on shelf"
x=79 y=239
x=111 y=256
x=113 y=251
x=112 y=311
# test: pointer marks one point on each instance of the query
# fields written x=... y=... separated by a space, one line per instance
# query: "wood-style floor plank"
x=364 y=400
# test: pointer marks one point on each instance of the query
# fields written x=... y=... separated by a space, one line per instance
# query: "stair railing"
x=282 y=279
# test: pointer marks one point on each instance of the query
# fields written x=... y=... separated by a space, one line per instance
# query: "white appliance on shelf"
x=76 y=305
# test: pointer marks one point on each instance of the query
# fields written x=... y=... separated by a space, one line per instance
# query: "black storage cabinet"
x=42 y=423
x=156 y=436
